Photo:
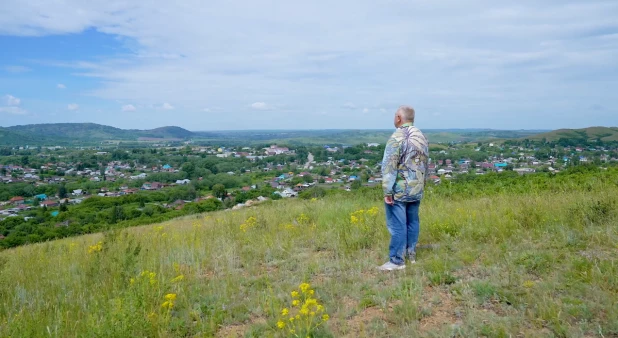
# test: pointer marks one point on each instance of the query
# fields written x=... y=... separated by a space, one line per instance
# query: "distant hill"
x=37 y=133
x=10 y=137
x=593 y=133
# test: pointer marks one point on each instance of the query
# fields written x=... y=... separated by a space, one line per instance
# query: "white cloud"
x=17 y=69
x=260 y=106
x=12 y=100
x=206 y=110
x=382 y=110
x=366 y=110
x=73 y=106
x=167 y=106
x=61 y=86
x=491 y=58
x=128 y=107
x=13 y=110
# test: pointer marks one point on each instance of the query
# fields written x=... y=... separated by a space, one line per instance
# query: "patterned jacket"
x=404 y=166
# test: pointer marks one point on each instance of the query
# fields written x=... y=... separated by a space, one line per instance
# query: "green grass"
x=540 y=264
x=606 y=134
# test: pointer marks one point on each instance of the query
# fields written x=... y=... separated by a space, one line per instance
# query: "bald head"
x=406 y=113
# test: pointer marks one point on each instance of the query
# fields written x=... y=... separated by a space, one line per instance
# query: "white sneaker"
x=390 y=266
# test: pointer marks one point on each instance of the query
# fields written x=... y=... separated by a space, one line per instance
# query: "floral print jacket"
x=404 y=167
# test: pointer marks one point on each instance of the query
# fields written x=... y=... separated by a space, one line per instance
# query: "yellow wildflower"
x=167 y=304
x=285 y=312
x=304 y=311
x=295 y=302
x=132 y=281
x=170 y=297
x=280 y=324
x=325 y=317
x=528 y=284
x=304 y=287
x=294 y=294
x=178 y=278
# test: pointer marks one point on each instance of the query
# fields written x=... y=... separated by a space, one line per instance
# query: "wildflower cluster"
x=95 y=248
x=303 y=219
x=168 y=304
x=305 y=313
x=250 y=223
x=364 y=218
x=145 y=276
x=528 y=284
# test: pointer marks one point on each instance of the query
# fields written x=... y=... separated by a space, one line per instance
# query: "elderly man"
x=404 y=168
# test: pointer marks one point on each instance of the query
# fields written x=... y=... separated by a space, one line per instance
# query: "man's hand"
x=389 y=200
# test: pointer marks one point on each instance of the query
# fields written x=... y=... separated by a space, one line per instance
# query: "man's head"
x=404 y=114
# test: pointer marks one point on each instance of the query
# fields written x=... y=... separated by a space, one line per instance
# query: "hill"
x=94 y=132
x=588 y=134
x=500 y=256
x=10 y=137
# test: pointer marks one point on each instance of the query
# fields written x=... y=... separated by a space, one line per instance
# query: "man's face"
x=397 y=120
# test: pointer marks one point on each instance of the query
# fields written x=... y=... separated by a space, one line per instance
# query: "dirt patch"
x=442 y=308
x=359 y=323
x=238 y=330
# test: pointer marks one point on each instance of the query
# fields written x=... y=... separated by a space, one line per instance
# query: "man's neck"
x=406 y=124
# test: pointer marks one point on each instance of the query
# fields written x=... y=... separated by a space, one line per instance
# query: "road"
x=309 y=161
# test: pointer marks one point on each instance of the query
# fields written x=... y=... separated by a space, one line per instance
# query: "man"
x=404 y=169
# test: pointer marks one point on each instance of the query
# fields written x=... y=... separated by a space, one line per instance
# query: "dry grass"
x=535 y=265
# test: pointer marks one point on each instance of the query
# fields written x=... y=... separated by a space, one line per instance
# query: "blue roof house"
x=500 y=165
x=167 y=166
x=41 y=197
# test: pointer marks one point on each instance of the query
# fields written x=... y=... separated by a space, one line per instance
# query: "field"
x=588 y=134
x=533 y=257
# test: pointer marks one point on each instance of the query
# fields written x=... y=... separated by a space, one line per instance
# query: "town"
x=48 y=188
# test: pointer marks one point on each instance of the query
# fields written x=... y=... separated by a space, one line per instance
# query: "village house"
x=49 y=204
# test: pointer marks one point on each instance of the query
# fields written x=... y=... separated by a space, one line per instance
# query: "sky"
x=224 y=65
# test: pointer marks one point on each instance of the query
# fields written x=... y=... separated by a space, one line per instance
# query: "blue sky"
x=317 y=64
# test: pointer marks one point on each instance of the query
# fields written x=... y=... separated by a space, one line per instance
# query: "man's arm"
x=390 y=163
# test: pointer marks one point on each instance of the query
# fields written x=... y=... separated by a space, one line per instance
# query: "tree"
x=356 y=184
x=219 y=190
x=62 y=191
x=63 y=207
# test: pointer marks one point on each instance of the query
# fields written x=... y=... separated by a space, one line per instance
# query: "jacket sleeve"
x=390 y=163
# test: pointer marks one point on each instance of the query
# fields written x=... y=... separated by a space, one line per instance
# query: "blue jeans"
x=404 y=226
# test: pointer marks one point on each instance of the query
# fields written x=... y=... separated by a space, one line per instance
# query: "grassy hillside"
x=497 y=259
x=95 y=132
x=10 y=137
x=589 y=134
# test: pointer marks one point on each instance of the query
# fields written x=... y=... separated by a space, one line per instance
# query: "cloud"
x=17 y=69
x=260 y=106
x=167 y=106
x=366 y=110
x=206 y=110
x=13 y=110
x=12 y=100
x=73 y=106
x=61 y=86
x=493 y=60
x=382 y=110
x=128 y=107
